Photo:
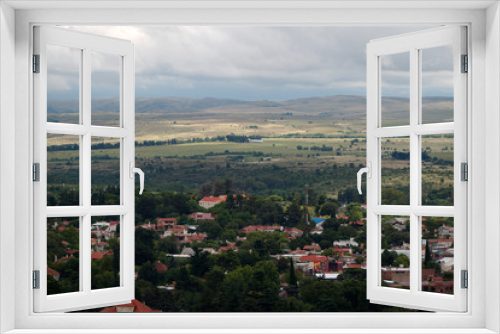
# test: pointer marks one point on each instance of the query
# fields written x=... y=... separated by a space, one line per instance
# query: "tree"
x=388 y=257
x=329 y=209
x=144 y=245
x=294 y=214
x=402 y=260
x=212 y=228
x=393 y=196
x=148 y=273
x=292 y=279
x=355 y=213
x=169 y=245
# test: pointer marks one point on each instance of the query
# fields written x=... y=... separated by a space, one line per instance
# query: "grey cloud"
x=284 y=61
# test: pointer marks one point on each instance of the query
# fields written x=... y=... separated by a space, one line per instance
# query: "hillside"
x=334 y=107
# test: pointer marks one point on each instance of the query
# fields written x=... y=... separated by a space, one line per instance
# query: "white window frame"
x=123 y=50
x=412 y=44
x=483 y=20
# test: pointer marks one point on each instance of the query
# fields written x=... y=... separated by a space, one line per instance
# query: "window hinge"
x=464 y=171
x=36 y=172
x=36 y=63
x=36 y=279
x=465 y=279
x=465 y=64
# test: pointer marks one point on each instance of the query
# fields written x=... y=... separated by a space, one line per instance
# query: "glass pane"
x=395 y=251
x=395 y=89
x=63 y=84
x=437 y=84
x=437 y=170
x=63 y=265
x=63 y=170
x=105 y=171
x=105 y=254
x=395 y=170
x=106 y=70
x=437 y=254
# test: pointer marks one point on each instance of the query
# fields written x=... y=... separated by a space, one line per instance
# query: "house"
x=315 y=263
x=445 y=232
x=201 y=216
x=341 y=251
x=318 y=220
x=345 y=243
x=313 y=247
x=187 y=251
x=53 y=273
x=99 y=247
x=293 y=232
x=357 y=223
x=113 y=226
x=261 y=228
x=100 y=255
x=229 y=247
x=208 y=202
x=161 y=267
x=163 y=223
x=134 y=306
x=317 y=230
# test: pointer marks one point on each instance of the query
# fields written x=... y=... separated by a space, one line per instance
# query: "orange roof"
x=215 y=199
x=100 y=255
x=161 y=267
x=313 y=258
x=52 y=272
x=439 y=240
x=137 y=305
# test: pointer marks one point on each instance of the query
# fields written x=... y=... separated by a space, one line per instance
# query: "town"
x=238 y=252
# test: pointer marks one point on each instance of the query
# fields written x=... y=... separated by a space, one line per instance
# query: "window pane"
x=395 y=251
x=63 y=170
x=105 y=171
x=63 y=84
x=105 y=254
x=437 y=170
x=63 y=265
x=437 y=84
x=106 y=72
x=395 y=170
x=395 y=89
x=437 y=254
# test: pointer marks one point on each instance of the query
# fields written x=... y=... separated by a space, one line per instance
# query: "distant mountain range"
x=337 y=106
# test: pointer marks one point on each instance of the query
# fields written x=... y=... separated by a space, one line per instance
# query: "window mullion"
x=414 y=169
x=86 y=162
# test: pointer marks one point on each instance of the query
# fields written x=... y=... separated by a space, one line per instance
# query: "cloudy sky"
x=248 y=63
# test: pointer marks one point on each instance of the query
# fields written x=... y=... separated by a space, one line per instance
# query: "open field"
x=324 y=149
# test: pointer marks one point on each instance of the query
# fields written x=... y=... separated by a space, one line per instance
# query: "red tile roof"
x=52 y=272
x=161 y=267
x=100 y=255
x=313 y=258
x=215 y=199
x=312 y=247
x=138 y=307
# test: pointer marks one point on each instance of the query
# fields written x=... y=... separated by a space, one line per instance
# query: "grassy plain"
x=339 y=141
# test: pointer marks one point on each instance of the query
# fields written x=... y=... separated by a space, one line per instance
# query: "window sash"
x=85 y=298
x=412 y=43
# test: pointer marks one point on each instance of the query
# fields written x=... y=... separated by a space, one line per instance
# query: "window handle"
x=133 y=171
x=368 y=171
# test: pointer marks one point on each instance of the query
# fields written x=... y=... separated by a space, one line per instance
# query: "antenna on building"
x=307 y=207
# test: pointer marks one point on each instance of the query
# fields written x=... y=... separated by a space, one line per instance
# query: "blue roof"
x=317 y=220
